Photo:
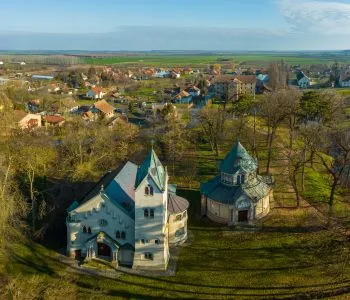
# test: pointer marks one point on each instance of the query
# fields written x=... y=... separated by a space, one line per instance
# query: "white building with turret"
x=129 y=218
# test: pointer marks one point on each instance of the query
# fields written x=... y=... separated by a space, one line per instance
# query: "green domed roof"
x=238 y=159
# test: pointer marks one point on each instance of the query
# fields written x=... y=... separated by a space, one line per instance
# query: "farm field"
x=201 y=60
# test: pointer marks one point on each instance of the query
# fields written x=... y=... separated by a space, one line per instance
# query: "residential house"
x=27 y=120
x=103 y=108
x=33 y=105
x=129 y=218
x=42 y=77
x=161 y=74
x=262 y=84
x=53 y=120
x=232 y=87
x=303 y=81
x=183 y=98
x=194 y=91
x=95 y=93
x=344 y=80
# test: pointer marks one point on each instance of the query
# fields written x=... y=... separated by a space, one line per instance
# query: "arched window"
x=84 y=229
x=150 y=190
x=117 y=234
x=89 y=230
x=242 y=178
x=145 y=213
x=151 y=213
x=239 y=179
x=123 y=235
x=103 y=222
x=146 y=191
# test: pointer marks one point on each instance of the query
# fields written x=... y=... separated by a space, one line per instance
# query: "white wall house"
x=126 y=218
x=344 y=80
x=95 y=93
x=304 y=82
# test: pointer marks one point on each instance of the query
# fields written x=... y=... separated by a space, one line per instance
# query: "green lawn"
x=284 y=261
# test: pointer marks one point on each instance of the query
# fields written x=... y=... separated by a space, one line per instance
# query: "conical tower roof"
x=238 y=159
x=153 y=167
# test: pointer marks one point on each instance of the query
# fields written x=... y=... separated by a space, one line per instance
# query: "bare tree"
x=275 y=109
x=212 y=121
x=278 y=75
x=337 y=145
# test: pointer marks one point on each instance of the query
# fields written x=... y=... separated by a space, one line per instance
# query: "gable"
x=97 y=202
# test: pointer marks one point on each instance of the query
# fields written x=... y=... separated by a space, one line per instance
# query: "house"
x=53 y=120
x=27 y=120
x=33 y=105
x=130 y=218
x=238 y=194
x=95 y=93
x=232 y=86
x=344 y=80
x=53 y=88
x=262 y=84
x=103 y=108
x=161 y=74
x=194 y=91
x=42 y=77
x=175 y=75
x=183 y=98
x=303 y=80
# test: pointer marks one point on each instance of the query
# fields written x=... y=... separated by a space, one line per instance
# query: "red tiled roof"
x=97 y=89
x=53 y=119
x=103 y=106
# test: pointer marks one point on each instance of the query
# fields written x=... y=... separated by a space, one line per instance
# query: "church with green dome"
x=238 y=194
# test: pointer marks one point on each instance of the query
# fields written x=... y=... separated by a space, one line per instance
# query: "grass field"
x=202 y=60
x=284 y=261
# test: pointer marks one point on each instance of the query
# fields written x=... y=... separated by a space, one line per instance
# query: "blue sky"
x=175 y=24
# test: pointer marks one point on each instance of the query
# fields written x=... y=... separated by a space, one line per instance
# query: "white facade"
x=30 y=121
x=127 y=222
x=345 y=83
x=304 y=82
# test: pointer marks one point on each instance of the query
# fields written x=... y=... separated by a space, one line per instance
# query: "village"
x=136 y=94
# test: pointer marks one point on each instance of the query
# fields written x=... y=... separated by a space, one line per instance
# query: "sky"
x=138 y=25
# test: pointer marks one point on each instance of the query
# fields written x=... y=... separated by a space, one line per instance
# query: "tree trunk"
x=331 y=202
x=269 y=150
x=32 y=197
x=303 y=171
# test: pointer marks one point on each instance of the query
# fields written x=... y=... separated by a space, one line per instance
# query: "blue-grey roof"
x=255 y=189
x=238 y=159
x=47 y=77
x=117 y=187
x=73 y=206
x=153 y=167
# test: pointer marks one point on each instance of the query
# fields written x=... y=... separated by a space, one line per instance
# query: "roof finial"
x=102 y=188
x=152 y=143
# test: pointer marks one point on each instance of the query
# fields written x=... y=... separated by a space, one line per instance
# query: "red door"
x=243 y=216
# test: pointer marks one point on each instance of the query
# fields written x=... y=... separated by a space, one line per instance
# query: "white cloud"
x=326 y=17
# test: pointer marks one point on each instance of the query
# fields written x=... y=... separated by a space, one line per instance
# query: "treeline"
x=42 y=59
